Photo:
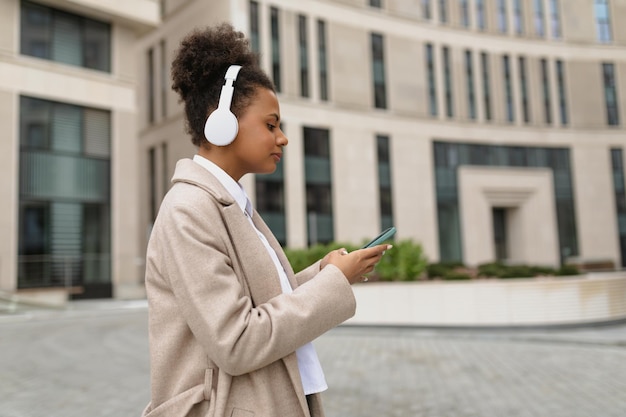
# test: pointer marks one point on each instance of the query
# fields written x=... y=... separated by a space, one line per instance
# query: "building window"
x=323 y=59
x=471 y=90
x=547 y=99
x=384 y=181
x=164 y=79
x=318 y=180
x=275 y=34
x=432 y=84
x=165 y=173
x=560 y=79
x=270 y=201
x=64 y=184
x=539 y=18
x=152 y=186
x=150 y=86
x=63 y=37
x=465 y=18
x=508 y=88
x=449 y=156
x=304 y=56
x=443 y=11
x=502 y=16
x=255 y=37
x=376 y=3
x=378 y=69
x=617 y=164
x=523 y=80
x=480 y=14
x=610 y=94
x=484 y=64
x=603 y=20
x=426 y=12
x=447 y=78
x=555 y=19
x=518 y=17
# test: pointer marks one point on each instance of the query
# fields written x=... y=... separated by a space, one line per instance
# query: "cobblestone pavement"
x=92 y=360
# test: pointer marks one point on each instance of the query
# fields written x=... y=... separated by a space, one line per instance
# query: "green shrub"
x=405 y=262
x=440 y=269
x=491 y=269
x=452 y=275
x=566 y=270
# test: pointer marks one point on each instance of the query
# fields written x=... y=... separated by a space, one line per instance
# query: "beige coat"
x=222 y=334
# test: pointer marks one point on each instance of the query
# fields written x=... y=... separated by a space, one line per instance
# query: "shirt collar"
x=233 y=187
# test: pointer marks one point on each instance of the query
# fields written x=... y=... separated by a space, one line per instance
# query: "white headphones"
x=221 y=126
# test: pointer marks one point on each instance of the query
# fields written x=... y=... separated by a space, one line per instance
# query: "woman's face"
x=259 y=144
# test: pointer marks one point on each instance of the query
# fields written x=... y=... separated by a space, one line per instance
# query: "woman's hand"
x=356 y=264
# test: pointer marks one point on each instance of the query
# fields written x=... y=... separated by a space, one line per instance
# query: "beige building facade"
x=68 y=107
x=483 y=129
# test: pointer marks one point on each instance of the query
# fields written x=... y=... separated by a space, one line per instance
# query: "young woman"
x=230 y=323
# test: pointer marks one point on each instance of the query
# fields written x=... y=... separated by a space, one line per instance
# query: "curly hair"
x=198 y=74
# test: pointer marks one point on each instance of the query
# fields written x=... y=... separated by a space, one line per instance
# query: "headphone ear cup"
x=221 y=127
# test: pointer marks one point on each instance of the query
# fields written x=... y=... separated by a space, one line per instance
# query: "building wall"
x=353 y=121
x=114 y=91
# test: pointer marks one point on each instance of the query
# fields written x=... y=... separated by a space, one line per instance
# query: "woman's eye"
x=271 y=126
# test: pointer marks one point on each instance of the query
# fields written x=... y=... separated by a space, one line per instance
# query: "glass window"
x=376 y=3
x=426 y=12
x=471 y=93
x=555 y=19
x=64 y=194
x=270 y=201
x=539 y=18
x=430 y=74
x=480 y=14
x=318 y=182
x=523 y=79
x=484 y=61
x=610 y=94
x=617 y=164
x=304 y=55
x=384 y=181
x=275 y=34
x=378 y=69
x=447 y=77
x=464 y=9
x=518 y=16
x=322 y=54
x=603 y=20
x=255 y=41
x=560 y=79
x=508 y=88
x=67 y=38
x=443 y=11
x=502 y=16
x=164 y=78
x=150 y=86
x=547 y=99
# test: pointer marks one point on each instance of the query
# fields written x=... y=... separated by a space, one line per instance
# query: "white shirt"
x=311 y=372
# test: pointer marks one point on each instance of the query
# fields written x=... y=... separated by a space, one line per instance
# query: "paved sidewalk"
x=92 y=360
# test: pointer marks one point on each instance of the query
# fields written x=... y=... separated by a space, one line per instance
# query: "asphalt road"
x=92 y=360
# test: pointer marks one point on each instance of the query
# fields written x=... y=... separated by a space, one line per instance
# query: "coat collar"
x=253 y=256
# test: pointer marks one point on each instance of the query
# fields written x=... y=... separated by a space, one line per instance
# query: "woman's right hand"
x=356 y=264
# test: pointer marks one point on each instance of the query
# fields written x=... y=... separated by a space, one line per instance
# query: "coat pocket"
x=180 y=405
x=238 y=412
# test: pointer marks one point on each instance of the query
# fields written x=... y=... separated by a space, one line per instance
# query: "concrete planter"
x=590 y=298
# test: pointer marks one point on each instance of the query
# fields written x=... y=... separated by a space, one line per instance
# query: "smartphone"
x=381 y=238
